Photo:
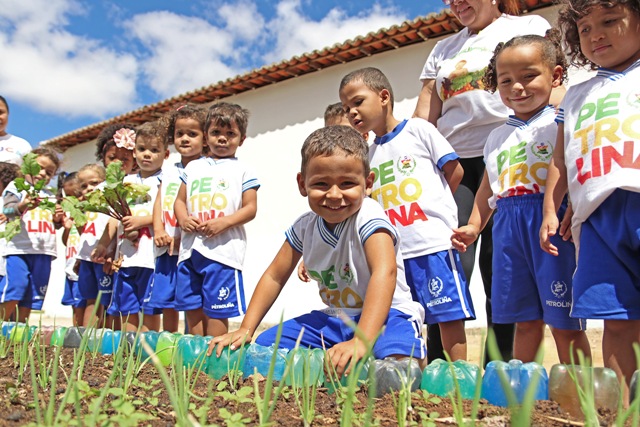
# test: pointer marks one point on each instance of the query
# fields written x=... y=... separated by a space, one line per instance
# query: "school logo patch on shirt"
x=542 y=150
x=405 y=165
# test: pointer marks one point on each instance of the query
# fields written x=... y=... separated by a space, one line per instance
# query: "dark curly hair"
x=188 y=111
x=550 y=50
x=105 y=139
x=8 y=172
x=574 y=10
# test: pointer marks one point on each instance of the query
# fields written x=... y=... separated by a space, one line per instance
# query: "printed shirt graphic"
x=457 y=64
x=141 y=253
x=37 y=234
x=411 y=187
x=214 y=189
x=168 y=191
x=518 y=153
x=13 y=148
x=602 y=139
x=337 y=261
x=71 y=253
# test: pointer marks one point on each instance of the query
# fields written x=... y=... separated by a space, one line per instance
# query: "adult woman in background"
x=12 y=147
x=453 y=99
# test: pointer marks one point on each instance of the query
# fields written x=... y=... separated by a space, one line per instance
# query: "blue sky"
x=71 y=63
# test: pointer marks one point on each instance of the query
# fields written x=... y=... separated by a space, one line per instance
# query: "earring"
x=493 y=2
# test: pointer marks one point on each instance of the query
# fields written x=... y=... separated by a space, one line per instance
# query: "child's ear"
x=385 y=96
x=557 y=76
x=301 y=188
x=242 y=140
x=369 y=183
x=166 y=154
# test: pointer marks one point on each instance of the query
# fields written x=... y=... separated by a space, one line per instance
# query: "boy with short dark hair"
x=351 y=250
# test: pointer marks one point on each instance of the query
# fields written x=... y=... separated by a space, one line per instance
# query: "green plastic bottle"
x=438 y=378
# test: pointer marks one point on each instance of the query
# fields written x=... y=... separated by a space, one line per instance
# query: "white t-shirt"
x=38 y=233
x=13 y=148
x=93 y=229
x=140 y=253
x=71 y=253
x=457 y=64
x=601 y=139
x=411 y=187
x=518 y=153
x=214 y=189
x=3 y=261
x=337 y=260
x=168 y=191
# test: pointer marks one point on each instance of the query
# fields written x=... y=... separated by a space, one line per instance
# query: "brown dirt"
x=149 y=397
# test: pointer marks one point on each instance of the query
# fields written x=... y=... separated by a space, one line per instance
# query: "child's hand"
x=58 y=215
x=547 y=230
x=345 y=354
x=190 y=224
x=163 y=239
x=464 y=236
x=131 y=223
x=213 y=227
x=25 y=204
x=3 y=218
x=99 y=254
x=565 y=224
x=76 y=266
x=302 y=272
x=233 y=340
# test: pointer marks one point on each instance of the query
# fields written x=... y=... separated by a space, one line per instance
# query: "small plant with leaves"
x=30 y=170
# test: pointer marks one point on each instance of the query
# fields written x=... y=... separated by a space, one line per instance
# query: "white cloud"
x=296 y=34
x=55 y=71
x=184 y=52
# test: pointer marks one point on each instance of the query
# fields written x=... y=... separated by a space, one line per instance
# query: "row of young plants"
x=113 y=404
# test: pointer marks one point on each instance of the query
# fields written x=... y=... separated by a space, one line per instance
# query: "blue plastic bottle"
x=259 y=357
x=73 y=337
x=519 y=377
x=7 y=327
x=110 y=341
x=392 y=374
x=305 y=361
x=438 y=378
x=218 y=367
x=192 y=350
x=94 y=342
x=150 y=338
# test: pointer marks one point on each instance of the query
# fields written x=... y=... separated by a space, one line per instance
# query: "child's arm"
x=464 y=236
x=132 y=223
x=453 y=173
x=381 y=259
x=243 y=215
x=160 y=236
x=101 y=253
x=267 y=291
x=555 y=189
x=187 y=223
x=15 y=206
x=429 y=105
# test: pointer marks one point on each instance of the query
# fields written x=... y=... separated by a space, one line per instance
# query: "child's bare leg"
x=7 y=309
x=217 y=327
x=454 y=339
x=131 y=322
x=617 y=350
x=78 y=316
x=170 y=319
x=528 y=338
x=196 y=321
x=23 y=314
x=89 y=318
x=113 y=322
x=565 y=339
x=152 y=322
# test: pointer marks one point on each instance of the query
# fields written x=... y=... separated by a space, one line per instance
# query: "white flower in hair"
x=125 y=138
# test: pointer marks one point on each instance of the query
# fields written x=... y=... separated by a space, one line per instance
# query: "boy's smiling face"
x=335 y=186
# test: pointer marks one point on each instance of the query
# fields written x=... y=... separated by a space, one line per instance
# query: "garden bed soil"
x=149 y=402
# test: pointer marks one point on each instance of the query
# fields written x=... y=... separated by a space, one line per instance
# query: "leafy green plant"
x=29 y=169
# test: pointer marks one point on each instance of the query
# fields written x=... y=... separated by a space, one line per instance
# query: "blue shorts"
x=162 y=291
x=402 y=335
x=529 y=284
x=91 y=280
x=207 y=284
x=71 y=295
x=437 y=282
x=27 y=280
x=129 y=287
x=607 y=281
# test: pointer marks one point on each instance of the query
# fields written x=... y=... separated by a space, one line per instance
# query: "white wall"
x=282 y=115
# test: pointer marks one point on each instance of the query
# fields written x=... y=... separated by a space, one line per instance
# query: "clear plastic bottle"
x=392 y=374
x=564 y=391
x=305 y=361
x=73 y=337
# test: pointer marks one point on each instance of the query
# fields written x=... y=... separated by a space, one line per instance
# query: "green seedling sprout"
x=585 y=387
x=634 y=406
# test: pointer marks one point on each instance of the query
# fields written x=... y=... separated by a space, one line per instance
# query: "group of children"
x=382 y=237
